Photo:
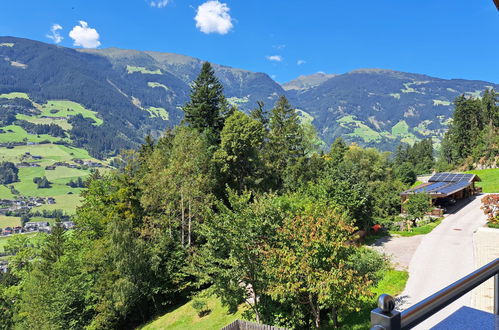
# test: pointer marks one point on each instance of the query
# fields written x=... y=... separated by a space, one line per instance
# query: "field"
x=157 y=112
x=490 y=179
x=132 y=69
x=53 y=111
x=359 y=129
x=50 y=152
x=6 y=221
x=66 y=197
x=14 y=95
x=62 y=108
x=366 y=133
x=156 y=84
x=68 y=203
x=63 y=123
x=14 y=133
x=5 y=192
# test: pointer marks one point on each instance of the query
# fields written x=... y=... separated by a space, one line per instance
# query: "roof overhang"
x=497 y=4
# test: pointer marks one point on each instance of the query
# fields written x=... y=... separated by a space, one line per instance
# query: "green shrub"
x=201 y=307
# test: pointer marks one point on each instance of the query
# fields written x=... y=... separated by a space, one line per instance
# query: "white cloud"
x=85 y=36
x=54 y=33
x=279 y=47
x=275 y=58
x=300 y=62
x=213 y=17
x=159 y=3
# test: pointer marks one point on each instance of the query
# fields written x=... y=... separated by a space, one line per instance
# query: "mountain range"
x=115 y=97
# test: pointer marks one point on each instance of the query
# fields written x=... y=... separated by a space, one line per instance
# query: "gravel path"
x=399 y=249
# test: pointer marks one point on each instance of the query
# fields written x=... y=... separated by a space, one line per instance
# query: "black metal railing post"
x=496 y=294
x=386 y=318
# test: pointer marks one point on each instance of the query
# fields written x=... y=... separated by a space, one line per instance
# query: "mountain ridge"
x=137 y=93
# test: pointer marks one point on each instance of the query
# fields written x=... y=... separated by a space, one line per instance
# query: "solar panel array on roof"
x=451 y=177
x=454 y=187
x=430 y=187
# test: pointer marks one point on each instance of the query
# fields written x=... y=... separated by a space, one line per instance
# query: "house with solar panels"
x=445 y=189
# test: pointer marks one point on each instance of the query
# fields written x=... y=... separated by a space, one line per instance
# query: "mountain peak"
x=307 y=81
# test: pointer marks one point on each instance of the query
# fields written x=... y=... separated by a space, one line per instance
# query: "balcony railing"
x=385 y=317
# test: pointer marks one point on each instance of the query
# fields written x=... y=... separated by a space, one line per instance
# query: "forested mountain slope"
x=135 y=93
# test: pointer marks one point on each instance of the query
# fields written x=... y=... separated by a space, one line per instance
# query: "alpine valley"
x=105 y=100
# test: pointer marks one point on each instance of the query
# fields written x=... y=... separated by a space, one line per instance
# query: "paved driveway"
x=443 y=256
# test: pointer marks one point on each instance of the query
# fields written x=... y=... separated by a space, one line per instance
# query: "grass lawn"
x=6 y=221
x=417 y=183
x=490 y=179
x=418 y=230
x=393 y=283
x=185 y=317
x=370 y=239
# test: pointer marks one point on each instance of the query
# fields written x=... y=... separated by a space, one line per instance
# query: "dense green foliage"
x=8 y=173
x=409 y=161
x=219 y=204
x=416 y=206
x=473 y=136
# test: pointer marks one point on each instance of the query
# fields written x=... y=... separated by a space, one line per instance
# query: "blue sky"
x=443 y=38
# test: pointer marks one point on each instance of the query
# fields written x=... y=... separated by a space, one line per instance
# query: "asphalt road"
x=443 y=256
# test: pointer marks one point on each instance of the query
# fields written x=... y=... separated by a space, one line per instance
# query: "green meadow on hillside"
x=6 y=221
x=63 y=123
x=490 y=179
x=53 y=111
x=132 y=69
x=66 y=197
x=185 y=317
x=63 y=108
x=14 y=133
x=14 y=95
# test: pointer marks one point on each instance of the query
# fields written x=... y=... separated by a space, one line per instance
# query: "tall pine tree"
x=207 y=109
x=286 y=143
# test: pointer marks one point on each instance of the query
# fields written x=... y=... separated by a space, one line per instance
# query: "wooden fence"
x=245 y=325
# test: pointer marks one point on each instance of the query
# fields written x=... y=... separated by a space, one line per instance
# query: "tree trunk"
x=316 y=312
x=334 y=317
x=183 y=217
x=190 y=221
x=255 y=304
